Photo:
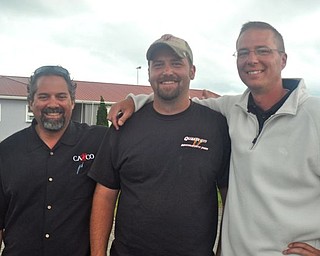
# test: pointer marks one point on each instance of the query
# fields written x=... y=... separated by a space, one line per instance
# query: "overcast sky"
x=105 y=41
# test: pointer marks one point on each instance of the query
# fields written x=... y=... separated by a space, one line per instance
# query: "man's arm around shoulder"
x=122 y=110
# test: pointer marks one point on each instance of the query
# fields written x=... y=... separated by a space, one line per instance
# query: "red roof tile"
x=12 y=87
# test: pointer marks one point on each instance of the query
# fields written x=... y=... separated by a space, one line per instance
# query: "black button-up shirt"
x=45 y=194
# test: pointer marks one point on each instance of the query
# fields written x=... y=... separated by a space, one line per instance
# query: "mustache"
x=166 y=78
x=53 y=110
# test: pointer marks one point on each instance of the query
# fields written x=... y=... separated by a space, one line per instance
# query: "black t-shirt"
x=46 y=195
x=168 y=168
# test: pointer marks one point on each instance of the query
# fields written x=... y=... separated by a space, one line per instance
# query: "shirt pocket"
x=81 y=185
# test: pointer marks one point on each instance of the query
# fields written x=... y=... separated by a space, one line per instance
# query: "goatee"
x=52 y=124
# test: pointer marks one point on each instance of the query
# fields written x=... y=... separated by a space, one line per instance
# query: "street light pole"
x=138 y=74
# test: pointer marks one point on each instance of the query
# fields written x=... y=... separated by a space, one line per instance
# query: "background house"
x=15 y=114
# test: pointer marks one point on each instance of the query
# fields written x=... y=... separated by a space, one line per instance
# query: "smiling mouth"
x=168 y=82
x=54 y=115
x=255 y=72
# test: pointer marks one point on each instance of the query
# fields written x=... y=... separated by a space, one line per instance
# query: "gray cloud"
x=105 y=41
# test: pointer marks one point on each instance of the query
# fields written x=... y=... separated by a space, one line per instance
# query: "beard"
x=168 y=95
x=52 y=124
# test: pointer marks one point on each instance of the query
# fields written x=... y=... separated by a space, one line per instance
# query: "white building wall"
x=13 y=117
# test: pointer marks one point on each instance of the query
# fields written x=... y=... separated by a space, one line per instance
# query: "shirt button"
x=51 y=153
x=47 y=235
x=49 y=207
x=50 y=179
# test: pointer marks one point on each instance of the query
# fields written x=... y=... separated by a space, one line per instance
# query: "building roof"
x=16 y=86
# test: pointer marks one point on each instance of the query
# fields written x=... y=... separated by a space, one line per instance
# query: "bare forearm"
x=101 y=219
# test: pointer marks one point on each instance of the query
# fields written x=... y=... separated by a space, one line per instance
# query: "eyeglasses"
x=51 y=70
x=259 y=51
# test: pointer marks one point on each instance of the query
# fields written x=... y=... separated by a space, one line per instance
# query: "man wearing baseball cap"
x=167 y=161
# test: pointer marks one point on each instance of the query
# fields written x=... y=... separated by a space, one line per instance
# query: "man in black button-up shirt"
x=45 y=193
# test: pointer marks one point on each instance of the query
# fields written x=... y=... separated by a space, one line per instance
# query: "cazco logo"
x=194 y=142
x=83 y=157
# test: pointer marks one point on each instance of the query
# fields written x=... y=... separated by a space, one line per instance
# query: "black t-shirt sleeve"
x=102 y=169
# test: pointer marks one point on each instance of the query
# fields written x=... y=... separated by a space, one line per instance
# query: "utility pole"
x=138 y=74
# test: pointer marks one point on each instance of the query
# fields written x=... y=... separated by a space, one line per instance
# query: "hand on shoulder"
x=120 y=112
x=302 y=249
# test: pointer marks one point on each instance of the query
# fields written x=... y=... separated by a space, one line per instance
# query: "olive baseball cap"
x=178 y=45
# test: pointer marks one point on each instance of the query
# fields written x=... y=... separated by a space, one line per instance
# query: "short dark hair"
x=46 y=71
x=263 y=25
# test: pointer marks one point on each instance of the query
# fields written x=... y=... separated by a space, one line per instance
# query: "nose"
x=252 y=57
x=167 y=70
x=53 y=101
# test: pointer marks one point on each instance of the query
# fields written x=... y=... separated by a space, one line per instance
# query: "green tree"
x=102 y=113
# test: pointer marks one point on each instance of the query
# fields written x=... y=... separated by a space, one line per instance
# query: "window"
x=29 y=114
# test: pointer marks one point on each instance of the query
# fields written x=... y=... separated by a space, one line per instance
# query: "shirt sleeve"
x=102 y=169
x=140 y=100
x=212 y=103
